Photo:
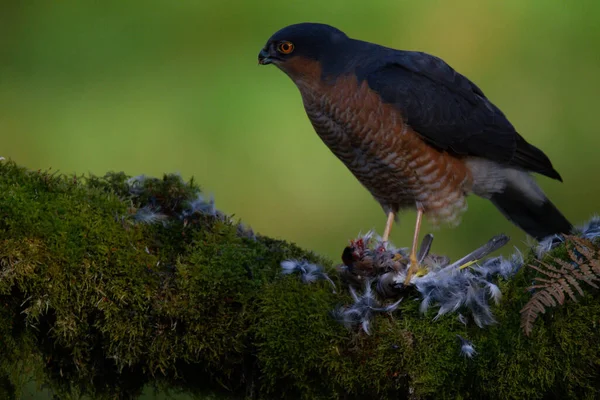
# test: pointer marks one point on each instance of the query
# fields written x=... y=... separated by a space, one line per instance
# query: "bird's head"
x=296 y=47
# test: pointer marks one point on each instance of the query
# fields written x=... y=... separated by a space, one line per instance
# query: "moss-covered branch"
x=95 y=300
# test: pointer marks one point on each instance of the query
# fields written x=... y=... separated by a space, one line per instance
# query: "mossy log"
x=94 y=302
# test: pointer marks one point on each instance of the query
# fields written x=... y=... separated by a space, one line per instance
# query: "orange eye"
x=285 y=47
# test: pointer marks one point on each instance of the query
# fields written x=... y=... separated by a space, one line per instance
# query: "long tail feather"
x=524 y=203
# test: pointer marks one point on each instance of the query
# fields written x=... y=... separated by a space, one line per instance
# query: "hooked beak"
x=264 y=57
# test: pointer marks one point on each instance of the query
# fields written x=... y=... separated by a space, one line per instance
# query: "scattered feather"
x=136 y=184
x=158 y=200
x=247 y=232
x=502 y=266
x=200 y=205
x=309 y=272
x=425 y=304
x=149 y=215
x=466 y=286
x=449 y=287
x=362 y=310
x=494 y=291
x=467 y=349
x=547 y=244
x=454 y=289
x=388 y=285
x=591 y=230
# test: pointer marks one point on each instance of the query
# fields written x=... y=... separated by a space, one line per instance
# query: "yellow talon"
x=421 y=272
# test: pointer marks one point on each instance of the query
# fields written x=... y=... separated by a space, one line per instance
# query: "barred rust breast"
x=372 y=139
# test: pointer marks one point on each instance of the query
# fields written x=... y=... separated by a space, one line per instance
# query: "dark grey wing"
x=450 y=112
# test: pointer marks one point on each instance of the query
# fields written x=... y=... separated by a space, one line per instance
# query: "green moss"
x=93 y=303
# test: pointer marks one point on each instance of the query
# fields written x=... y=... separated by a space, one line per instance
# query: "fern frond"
x=535 y=306
x=557 y=294
x=562 y=278
x=589 y=252
x=573 y=281
x=546 y=269
x=562 y=284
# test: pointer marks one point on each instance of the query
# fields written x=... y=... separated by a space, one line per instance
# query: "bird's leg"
x=414 y=263
x=388 y=225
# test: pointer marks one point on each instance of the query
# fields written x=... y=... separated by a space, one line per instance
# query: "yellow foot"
x=412 y=268
x=414 y=263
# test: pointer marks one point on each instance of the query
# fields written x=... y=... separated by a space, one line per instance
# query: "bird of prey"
x=413 y=131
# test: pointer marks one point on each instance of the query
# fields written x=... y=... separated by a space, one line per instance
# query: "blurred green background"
x=173 y=86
